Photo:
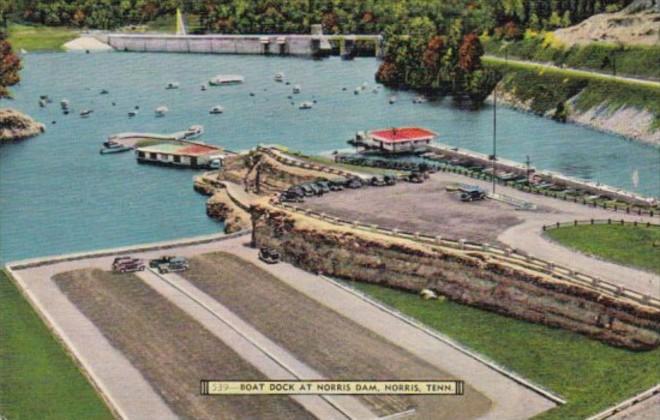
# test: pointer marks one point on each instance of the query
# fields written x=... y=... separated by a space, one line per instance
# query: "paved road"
x=134 y=397
x=528 y=236
x=577 y=72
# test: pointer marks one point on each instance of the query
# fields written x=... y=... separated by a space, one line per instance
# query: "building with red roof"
x=188 y=154
x=400 y=139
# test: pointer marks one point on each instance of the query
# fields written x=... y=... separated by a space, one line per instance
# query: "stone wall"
x=464 y=277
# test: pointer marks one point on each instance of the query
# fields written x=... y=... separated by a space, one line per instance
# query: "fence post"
x=461 y=243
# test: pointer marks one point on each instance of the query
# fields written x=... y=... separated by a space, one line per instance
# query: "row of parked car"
x=164 y=264
x=297 y=193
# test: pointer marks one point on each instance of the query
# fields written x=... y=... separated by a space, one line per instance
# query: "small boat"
x=193 y=131
x=364 y=85
x=42 y=103
x=296 y=89
x=86 y=113
x=287 y=83
x=120 y=149
x=132 y=114
x=172 y=85
x=23 y=51
x=392 y=99
x=279 y=77
x=375 y=90
x=161 y=111
x=217 y=110
x=356 y=91
x=203 y=87
x=306 y=105
x=419 y=100
x=103 y=92
x=64 y=103
x=226 y=79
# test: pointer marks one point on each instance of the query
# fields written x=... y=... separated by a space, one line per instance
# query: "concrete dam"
x=296 y=45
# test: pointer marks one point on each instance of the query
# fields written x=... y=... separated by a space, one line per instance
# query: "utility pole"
x=494 y=157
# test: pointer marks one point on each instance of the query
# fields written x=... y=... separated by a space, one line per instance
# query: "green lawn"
x=590 y=375
x=39 y=38
x=38 y=380
x=627 y=245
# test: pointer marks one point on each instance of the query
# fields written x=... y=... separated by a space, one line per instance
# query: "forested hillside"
x=294 y=16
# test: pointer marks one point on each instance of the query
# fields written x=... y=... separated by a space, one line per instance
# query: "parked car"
x=323 y=185
x=127 y=265
x=415 y=177
x=292 y=196
x=377 y=181
x=390 y=179
x=174 y=265
x=307 y=190
x=354 y=183
x=472 y=193
x=269 y=255
x=156 y=262
x=337 y=184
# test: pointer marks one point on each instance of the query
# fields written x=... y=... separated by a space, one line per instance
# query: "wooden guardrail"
x=504 y=255
x=600 y=222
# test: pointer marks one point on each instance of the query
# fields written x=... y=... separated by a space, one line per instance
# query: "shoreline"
x=17 y=126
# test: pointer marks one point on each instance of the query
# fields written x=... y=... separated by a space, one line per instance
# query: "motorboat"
x=104 y=92
x=172 y=85
x=226 y=79
x=132 y=114
x=193 y=131
x=42 y=103
x=296 y=89
x=161 y=111
x=217 y=110
x=306 y=105
x=357 y=91
x=392 y=99
x=203 y=87
x=86 y=113
x=279 y=77
x=64 y=103
x=419 y=100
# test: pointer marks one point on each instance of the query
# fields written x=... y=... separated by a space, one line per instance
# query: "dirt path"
x=342 y=350
x=172 y=350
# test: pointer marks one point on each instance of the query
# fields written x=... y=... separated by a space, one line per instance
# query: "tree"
x=10 y=65
x=469 y=53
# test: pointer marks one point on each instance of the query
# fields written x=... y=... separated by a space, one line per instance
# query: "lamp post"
x=494 y=156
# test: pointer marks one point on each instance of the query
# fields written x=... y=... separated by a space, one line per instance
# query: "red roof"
x=404 y=134
x=197 y=149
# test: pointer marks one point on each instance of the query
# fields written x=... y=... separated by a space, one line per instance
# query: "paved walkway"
x=272 y=360
x=133 y=397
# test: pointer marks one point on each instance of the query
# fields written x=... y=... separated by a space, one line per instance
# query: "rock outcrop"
x=17 y=126
x=466 y=277
x=221 y=207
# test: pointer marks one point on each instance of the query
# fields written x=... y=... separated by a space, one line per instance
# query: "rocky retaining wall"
x=221 y=207
x=465 y=277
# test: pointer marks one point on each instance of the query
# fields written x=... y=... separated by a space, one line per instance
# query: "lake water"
x=58 y=195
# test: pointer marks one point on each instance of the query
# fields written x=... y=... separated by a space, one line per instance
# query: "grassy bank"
x=547 y=87
x=39 y=38
x=38 y=379
x=627 y=245
x=631 y=60
x=590 y=375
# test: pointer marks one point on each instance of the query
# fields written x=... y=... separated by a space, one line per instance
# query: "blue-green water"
x=57 y=194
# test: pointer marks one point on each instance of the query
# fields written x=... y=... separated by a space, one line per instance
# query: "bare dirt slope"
x=324 y=339
x=170 y=349
x=639 y=23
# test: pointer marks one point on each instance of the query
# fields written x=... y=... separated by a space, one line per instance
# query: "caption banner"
x=213 y=387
